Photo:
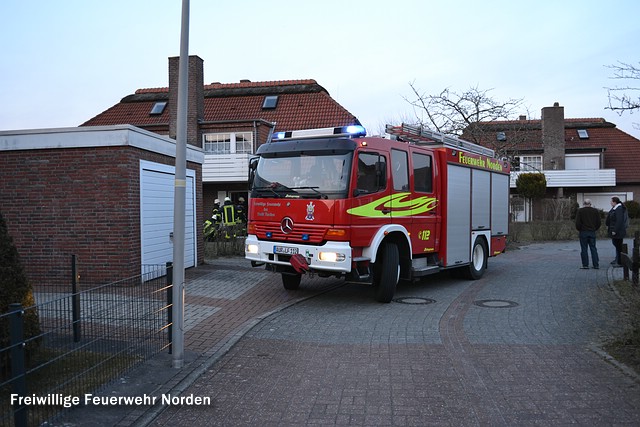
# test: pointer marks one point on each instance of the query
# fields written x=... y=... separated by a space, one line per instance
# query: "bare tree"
x=470 y=114
x=620 y=99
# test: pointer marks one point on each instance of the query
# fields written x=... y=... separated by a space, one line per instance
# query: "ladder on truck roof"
x=422 y=136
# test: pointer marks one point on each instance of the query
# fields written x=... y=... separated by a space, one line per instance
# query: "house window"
x=582 y=161
x=158 y=108
x=583 y=134
x=270 y=102
x=244 y=143
x=517 y=203
x=228 y=143
x=530 y=163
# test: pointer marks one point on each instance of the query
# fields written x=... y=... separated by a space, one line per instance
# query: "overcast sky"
x=63 y=62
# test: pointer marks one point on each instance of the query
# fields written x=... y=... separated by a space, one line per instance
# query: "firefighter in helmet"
x=229 y=216
x=212 y=225
x=216 y=216
x=241 y=211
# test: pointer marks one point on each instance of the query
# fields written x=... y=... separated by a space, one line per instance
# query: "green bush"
x=633 y=208
x=14 y=288
x=531 y=185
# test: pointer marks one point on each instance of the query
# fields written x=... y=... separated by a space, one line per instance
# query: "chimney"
x=195 y=98
x=553 y=137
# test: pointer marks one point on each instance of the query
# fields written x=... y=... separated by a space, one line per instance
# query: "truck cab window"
x=422 y=173
x=322 y=175
x=400 y=170
x=372 y=175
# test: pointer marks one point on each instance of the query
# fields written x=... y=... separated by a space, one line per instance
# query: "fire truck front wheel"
x=479 y=257
x=291 y=281
x=386 y=272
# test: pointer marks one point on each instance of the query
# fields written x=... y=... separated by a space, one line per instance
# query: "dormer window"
x=158 y=108
x=583 y=134
x=270 y=102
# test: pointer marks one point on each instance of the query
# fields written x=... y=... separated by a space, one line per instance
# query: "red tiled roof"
x=293 y=111
x=301 y=104
x=621 y=150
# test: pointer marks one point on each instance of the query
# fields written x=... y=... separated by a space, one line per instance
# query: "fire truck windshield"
x=322 y=175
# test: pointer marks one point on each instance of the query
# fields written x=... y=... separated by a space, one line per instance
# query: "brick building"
x=103 y=194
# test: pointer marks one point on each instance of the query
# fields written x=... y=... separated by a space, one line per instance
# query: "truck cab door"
x=370 y=192
x=402 y=203
x=425 y=218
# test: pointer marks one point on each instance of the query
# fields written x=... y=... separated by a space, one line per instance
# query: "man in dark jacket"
x=587 y=223
x=617 y=226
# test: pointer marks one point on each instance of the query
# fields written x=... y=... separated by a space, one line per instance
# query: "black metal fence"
x=631 y=263
x=86 y=338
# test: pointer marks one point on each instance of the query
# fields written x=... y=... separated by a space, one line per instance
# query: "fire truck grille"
x=301 y=233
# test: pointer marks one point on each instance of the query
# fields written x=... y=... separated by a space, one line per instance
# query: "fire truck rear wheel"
x=291 y=282
x=387 y=272
x=478 y=260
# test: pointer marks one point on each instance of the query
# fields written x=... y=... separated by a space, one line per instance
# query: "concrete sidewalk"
x=518 y=347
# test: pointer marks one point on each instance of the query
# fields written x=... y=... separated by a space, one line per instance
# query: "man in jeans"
x=587 y=223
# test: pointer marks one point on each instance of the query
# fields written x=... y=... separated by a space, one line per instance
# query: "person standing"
x=241 y=210
x=587 y=223
x=616 y=223
x=229 y=214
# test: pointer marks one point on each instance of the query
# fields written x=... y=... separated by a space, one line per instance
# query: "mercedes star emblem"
x=286 y=225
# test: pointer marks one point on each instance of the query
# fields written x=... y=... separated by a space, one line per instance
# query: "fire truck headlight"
x=331 y=257
x=251 y=249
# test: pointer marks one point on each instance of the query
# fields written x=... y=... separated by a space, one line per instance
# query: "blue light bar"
x=351 y=131
x=355 y=130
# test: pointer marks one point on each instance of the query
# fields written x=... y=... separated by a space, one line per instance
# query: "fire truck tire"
x=291 y=282
x=479 y=257
x=387 y=272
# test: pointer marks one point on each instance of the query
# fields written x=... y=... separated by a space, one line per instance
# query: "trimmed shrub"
x=14 y=288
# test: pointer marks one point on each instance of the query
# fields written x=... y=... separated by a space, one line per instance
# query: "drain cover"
x=414 y=300
x=495 y=303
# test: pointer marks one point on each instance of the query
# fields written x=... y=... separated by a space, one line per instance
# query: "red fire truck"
x=375 y=210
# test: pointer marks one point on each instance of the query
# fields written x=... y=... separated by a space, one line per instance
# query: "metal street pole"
x=180 y=193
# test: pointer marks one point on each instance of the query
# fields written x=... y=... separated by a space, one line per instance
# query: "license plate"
x=285 y=250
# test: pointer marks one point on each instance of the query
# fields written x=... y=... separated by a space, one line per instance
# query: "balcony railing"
x=574 y=178
x=225 y=167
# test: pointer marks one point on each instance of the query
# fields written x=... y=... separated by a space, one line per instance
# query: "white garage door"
x=156 y=215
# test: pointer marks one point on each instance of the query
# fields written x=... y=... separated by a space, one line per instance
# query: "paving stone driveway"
x=518 y=347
